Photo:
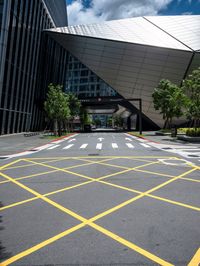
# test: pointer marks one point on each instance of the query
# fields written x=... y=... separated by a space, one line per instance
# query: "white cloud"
x=101 y=10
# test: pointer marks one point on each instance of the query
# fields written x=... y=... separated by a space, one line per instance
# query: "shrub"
x=192 y=132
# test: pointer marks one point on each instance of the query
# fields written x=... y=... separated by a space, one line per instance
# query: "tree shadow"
x=3 y=253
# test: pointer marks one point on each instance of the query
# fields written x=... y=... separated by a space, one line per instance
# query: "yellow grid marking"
x=85 y=222
x=195 y=261
x=48 y=172
x=106 y=183
x=8 y=164
x=27 y=165
x=90 y=221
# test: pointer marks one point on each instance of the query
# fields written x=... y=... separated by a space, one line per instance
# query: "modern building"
x=81 y=81
x=29 y=60
x=132 y=55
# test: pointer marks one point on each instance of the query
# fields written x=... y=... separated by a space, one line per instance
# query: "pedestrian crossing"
x=97 y=146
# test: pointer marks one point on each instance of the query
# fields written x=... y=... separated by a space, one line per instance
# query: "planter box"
x=188 y=138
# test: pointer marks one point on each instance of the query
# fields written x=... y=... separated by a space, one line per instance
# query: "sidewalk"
x=167 y=139
x=15 y=143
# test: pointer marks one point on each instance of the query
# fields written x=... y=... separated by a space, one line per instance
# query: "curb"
x=38 y=148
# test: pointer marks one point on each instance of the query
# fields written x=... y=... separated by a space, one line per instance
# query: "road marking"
x=130 y=145
x=114 y=145
x=195 y=261
x=128 y=139
x=100 y=139
x=145 y=145
x=68 y=147
x=84 y=221
x=84 y=146
x=71 y=140
x=53 y=147
x=99 y=146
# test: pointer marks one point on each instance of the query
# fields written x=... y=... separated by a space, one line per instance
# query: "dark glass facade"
x=30 y=60
x=85 y=83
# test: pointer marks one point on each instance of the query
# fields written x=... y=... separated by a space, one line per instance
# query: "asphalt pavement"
x=101 y=199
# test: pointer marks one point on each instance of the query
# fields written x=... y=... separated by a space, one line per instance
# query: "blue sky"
x=92 y=11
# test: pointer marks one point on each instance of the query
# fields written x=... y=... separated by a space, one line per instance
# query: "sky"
x=95 y=11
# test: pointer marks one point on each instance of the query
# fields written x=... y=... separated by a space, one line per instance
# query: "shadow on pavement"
x=3 y=253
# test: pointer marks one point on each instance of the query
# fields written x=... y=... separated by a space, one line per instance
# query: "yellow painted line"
x=171 y=180
x=174 y=202
x=165 y=175
x=29 y=176
x=120 y=187
x=153 y=196
x=84 y=222
x=195 y=261
x=191 y=179
x=51 y=202
x=106 y=232
x=41 y=245
x=125 y=203
x=26 y=165
x=47 y=194
x=47 y=172
x=154 y=173
x=8 y=164
x=131 y=245
x=105 y=157
x=18 y=203
x=62 y=170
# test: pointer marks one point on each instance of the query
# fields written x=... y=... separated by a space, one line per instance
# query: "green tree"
x=97 y=122
x=57 y=106
x=118 y=120
x=169 y=99
x=74 y=106
x=84 y=117
x=191 y=86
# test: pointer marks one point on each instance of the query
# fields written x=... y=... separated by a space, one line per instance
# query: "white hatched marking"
x=68 y=147
x=130 y=145
x=114 y=145
x=99 y=146
x=145 y=145
x=53 y=147
x=84 y=146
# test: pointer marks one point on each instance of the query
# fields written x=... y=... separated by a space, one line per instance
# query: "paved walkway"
x=15 y=143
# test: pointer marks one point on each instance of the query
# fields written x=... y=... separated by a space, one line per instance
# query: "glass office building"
x=29 y=60
x=85 y=83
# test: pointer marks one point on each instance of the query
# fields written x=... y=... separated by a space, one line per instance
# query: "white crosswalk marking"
x=114 y=145
x=128 y=139
x=130 y=145
x=83 y=146
x=53 y=147
x=145 y=145
x=68 y=147
x=71 y=140
x=99 y=146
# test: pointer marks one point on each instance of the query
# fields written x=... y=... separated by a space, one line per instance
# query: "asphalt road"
x=100 y=198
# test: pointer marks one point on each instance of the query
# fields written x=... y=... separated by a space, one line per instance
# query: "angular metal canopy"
x=133 y=55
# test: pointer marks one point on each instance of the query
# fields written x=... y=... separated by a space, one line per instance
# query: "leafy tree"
x=57 y=106
x=169 y=99
x=97 y=122
x=118 y=120
x=85 y=117
x=191 y=86
x=74 y=106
